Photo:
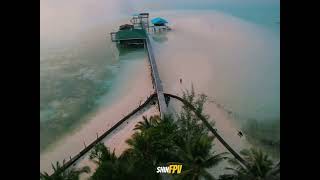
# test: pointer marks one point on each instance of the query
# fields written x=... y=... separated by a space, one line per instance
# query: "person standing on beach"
x=180 y=81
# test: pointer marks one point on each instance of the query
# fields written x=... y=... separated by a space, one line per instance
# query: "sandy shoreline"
x=177 y=58
x=128 y=98
x=116 y=140
x=207 y=55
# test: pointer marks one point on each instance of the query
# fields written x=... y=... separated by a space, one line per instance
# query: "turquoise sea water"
x=266 y=13
x=78 y=69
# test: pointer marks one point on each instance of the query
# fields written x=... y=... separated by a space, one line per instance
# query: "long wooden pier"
x=161 y=97
x=135 y=33
x=156 y=78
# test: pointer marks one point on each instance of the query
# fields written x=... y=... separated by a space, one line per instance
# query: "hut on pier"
x=128 y=36
x=132 y=35
x=160 y=24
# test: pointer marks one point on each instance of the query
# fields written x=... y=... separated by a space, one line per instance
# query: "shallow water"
x=228 y=51
x=114 y=105
x=233 y=61
x=78 y=63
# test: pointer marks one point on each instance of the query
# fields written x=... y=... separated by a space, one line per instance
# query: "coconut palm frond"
x=215 y=160
x=206 y=175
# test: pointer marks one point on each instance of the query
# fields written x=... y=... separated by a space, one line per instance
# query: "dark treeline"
x=163 y=141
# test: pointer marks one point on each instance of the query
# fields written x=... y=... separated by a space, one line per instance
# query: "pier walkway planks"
x=156 y=79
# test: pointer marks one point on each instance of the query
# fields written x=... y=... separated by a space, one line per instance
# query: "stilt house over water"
x=132 y=35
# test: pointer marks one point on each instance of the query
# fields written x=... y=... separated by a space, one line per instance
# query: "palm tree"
x=109 y=165
x=274 y=173
x=155 y=139
x=113 y=170
x=189 y=123
x=60 y=174
x=196 y=157
x=140 y=145
x=142 y=156
x=146 y=124
x=153 y=144
x=227 y=177
x=101 y=153
x=261 y=166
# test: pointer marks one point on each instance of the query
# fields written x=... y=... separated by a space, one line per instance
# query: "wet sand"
x=127 y=98
x=194 y=50
x=215 y=52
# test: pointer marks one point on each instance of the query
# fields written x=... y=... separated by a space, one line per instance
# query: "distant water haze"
x=62 y=21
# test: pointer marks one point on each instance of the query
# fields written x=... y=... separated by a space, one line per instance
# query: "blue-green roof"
x=159 y=20
x=131 y=34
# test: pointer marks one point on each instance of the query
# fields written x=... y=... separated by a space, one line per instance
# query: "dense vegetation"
x=59 y=174
x=182 y=139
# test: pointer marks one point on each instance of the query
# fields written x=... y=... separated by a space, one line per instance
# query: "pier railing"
x=157 y=28
x=90 y=146
x=214 y=131
x=156 y=79
x=203 y=119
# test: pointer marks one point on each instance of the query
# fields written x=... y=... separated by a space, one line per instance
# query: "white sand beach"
x=126 y=99
x=193 y=51
x=206 y=49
